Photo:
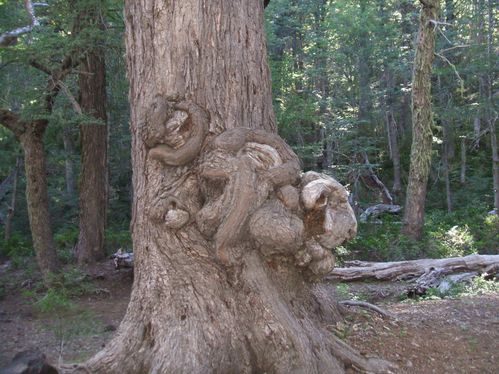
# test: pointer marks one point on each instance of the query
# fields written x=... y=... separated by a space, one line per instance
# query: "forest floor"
x=457 y=335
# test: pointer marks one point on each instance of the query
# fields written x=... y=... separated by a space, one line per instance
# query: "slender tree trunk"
x=37 y=198
x=364 y=72
x=495 y=163
x=394 y=152
x=479 y=39
x=210 y=294
x=462 y=175
x=68 y=163
x=422 y=122
x=448 y=191
x=93 y=179
x=491 y=104
x=448 y=140
x=13 y=200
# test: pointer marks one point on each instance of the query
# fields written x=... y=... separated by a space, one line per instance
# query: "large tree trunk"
x=223 y=241
x=93 y=179
x=37 y=198
x=422 y=122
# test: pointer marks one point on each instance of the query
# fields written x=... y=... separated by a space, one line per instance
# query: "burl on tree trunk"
x=237 y=238
x=229 y=238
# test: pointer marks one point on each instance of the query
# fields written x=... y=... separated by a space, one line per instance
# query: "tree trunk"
x=422 y=122
x=37 y=198
x=394 y=153
x=495 y=163
x=364 y=71
x=93 y=179
x=462 y=174
x=491 y=105
x=68 y=163
x=13 y=199
x=218 y=226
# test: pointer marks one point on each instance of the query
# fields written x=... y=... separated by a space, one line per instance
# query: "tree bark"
x=93 y=178
x=37 y=198
x=422 y=122
x=491 y=104
x=68 y=163
x=220 y=212
x=462 y=174
x=12 y=207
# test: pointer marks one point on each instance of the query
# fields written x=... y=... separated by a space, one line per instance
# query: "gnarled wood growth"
x=228 y=236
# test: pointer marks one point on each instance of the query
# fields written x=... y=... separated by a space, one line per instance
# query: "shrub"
x=18 y=245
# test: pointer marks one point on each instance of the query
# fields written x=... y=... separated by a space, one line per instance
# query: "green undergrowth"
x=65 y=287
x=19 y=248
x=460 y=233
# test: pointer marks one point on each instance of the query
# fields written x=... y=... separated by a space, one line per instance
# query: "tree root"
x=351 y=358
x=369 y=306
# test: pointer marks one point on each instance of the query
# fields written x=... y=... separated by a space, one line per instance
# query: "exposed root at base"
x=369 y=306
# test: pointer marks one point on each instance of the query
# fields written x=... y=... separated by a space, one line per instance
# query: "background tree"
x=94 y=133
x=422 y=121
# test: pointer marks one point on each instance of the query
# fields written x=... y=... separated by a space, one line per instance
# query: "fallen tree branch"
x=9 y=38
x=438 y=279
x=360 y=270
x=366 y=305
x=376 y=210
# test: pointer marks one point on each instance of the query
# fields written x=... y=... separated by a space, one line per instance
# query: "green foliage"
x=460 y=233
x=116 y=239
x=17 y=246
x=55 y=300
x=72 y=282
x=66 y=237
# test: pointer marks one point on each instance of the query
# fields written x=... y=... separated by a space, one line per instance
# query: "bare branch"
x=10 y=37
x=455 y=47
x=461 y=81
x=436 y=23
x=69 y=95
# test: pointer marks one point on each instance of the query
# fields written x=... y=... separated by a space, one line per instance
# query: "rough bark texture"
x=492 y=103
x=68 y=163
x=93 y=179
x=462 y=173
x=422 y=122
x=227 y=234
x=361 y=270
x=37 y=197
x=13 y=200
x=394 y=152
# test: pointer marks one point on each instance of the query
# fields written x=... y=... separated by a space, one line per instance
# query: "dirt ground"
x=431 y=336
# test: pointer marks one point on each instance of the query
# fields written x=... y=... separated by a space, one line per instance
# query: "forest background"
x=341 y=73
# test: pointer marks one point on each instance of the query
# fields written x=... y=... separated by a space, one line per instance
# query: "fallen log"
x=361 y=270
